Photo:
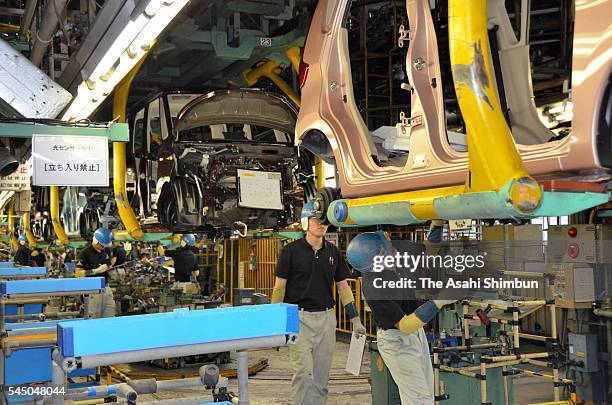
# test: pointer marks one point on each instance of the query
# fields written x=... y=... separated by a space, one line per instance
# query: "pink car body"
x=330 y=124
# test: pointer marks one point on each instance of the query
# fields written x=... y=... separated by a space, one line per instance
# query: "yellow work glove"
x=278 y=295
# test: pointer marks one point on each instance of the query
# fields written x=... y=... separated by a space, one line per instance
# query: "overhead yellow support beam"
x=271 y=70
x=126 y=213
x=28 y=230
x=319 y=172
x=55 y=216
x=493 y=158
x=294 y=55
x=11 y=223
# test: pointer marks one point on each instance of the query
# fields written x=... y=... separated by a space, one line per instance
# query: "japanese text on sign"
x=70 y=160
x=18 y=181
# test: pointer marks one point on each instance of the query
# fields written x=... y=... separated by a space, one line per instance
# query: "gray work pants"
x=102 y=305
x=407 y=357
x=312 y=356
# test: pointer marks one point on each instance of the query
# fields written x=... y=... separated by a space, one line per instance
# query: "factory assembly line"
x=307 y=202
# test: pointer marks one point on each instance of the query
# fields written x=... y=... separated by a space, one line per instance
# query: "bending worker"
x=23 y=254
x=94 y=261
x=305 y=273
x=185 y=263
x=401 y=340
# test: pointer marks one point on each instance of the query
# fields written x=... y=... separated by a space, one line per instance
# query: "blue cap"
x=189 y=239
x=364 y=247
x=103 y=236
x=22 y=238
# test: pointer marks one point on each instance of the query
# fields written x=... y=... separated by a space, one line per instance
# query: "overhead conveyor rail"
x=116 y=132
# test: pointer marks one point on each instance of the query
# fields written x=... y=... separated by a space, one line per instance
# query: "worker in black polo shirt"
x=305 y=274
x=118 y=255
x=23 y=254
x=401 y=340
x=95 y=261
x=185 y=263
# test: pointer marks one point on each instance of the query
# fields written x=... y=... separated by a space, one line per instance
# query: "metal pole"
x=466 y=326
x=436 y=362
x=515 y=328
x=506 y=392
x=2 y=332
x=181 y=351
x=58 y=378
x=483 y=383
x=553 y=322
x=86 y=305
x=242 y=356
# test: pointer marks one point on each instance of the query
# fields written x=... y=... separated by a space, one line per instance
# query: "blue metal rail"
x=13 y=272
x=179 y=328
x=51 y=286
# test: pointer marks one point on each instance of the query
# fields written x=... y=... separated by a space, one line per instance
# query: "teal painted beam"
x=115 y=132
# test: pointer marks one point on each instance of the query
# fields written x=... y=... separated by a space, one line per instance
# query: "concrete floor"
x=272 y=386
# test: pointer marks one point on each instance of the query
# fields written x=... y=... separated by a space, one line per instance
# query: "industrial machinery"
x=146 y=288
x=28 y=329
x=553 y=329
x=424 y=182
x=261 y=326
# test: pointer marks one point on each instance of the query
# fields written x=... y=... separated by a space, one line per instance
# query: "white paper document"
x=355 y=355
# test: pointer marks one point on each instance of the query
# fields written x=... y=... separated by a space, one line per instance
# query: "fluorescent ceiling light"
x=126 y=51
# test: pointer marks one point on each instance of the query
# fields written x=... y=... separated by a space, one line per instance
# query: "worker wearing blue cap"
x=306 y=271
x=183 y=259
x=401 y=340
x=23 y=254
x=95 y=261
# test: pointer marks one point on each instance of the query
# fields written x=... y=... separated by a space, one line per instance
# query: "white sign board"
x=18 y=181
x=260 y=189
x=70 y=160
x=458 y=225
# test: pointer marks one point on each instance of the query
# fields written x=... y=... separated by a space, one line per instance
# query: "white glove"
x=103 y=268
x=441 y=303
x=358 y=328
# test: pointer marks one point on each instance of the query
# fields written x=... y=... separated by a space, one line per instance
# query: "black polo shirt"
x=39 y=259
x=89 y=259
x=389 y=312
x=388 y=305
x=311 y=274
x=120 y=254
x=184 y=263
x=23 y=256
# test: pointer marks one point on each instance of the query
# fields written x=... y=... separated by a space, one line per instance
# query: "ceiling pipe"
x=44 y=34
x=28 y=14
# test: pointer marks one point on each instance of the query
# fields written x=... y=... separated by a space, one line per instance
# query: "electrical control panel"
x=583 y=352
x=580 y=244
x=572 y=284
x=572 y=244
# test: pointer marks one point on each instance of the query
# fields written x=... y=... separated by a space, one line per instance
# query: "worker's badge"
x=331 y=261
